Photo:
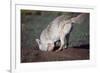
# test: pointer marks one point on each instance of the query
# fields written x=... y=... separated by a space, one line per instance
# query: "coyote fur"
x=57 y=30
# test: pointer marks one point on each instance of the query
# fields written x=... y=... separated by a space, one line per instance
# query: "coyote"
x=57 y=30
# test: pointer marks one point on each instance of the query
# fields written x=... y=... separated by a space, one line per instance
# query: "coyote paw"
x=58 y=50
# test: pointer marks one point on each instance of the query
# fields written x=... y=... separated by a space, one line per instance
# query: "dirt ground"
x=34 y=55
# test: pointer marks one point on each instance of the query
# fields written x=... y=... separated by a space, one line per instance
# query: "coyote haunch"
x=57 y=30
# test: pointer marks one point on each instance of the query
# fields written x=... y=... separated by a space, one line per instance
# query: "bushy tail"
x=79 y=18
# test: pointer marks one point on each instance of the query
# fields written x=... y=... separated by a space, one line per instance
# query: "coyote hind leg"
x=66 y=41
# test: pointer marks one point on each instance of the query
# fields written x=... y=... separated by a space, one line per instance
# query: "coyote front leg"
x=50 y=46
x=62 y=43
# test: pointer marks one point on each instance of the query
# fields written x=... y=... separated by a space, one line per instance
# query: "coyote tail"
x=79 y=18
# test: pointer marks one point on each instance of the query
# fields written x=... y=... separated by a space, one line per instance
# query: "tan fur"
x=57 y=30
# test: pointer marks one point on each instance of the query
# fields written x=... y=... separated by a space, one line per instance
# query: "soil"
x=34 y=55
